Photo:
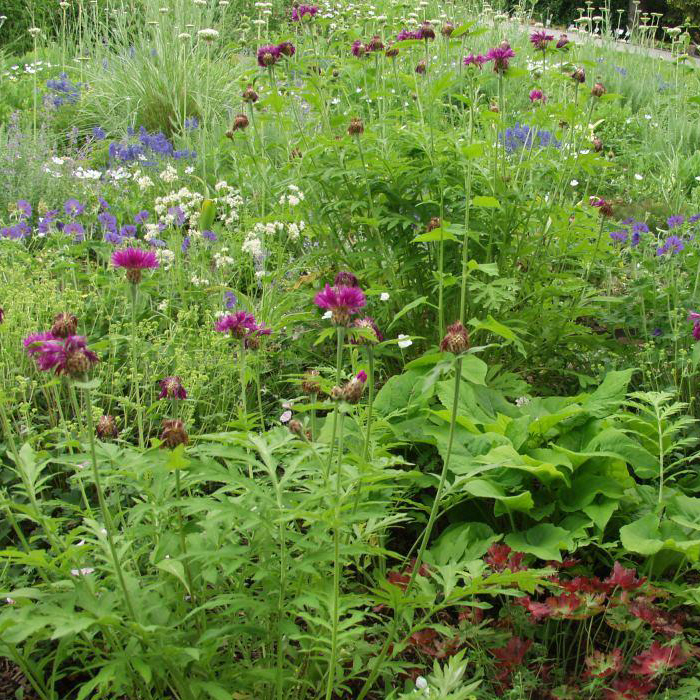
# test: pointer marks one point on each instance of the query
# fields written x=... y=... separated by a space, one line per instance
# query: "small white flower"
x=637 y=176
x=574 y=183
x=404 y=341
x=697 y=177
x=285 y=417
x=327 y=315
x=34 y=31
x=522 y=401
x=384 y=296
x=103 y=531
x=421 y=683
x=82 y=572
x=208 y=34
x=647 y=116
x=10 y=601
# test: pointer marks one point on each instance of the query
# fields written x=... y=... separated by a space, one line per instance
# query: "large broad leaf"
x=685 y=511
x=462 y=542
x=615 y=442
x=505 y=456
x=649 y=535
x=606 y=399
x=545 y=541
x=399 y=393
x=483 y=488
x=585 y=486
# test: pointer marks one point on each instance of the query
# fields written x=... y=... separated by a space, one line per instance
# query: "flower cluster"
x=522 y=136
x=68 y=355
x=540 y=39
x=301 y=11
x=243 y=326
x=62 y=91
x=269 y=54
x=341 y=301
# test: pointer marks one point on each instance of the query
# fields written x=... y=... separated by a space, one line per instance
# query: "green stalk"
x=244 y=408
x=370 y=401
x=134 y=370
x=338 y=362
x=105 y=511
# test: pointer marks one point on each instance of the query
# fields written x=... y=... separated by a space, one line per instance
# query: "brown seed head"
x=447 y=29
x=249 y=95
x=107 y=428
x=310 y=384
x=391 y=52
x=597 y=145
x=174 y=433
x=240 y=122
x=375 y=43
x=456 y=339
x=579 y=75
x=356 y=127
x=64 y=324
x=598 y=90
x=295 y=427
x=420 y=68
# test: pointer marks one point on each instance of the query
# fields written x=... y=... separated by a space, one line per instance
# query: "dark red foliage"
x=538 y=611
x=582 y=584
x=655 y=617
x=429 y=642
x=513 y=653
x=402 y=578
x=657 y=660
x=601 y=665
x=628 y=689
x=501 y=557
x=626 y=579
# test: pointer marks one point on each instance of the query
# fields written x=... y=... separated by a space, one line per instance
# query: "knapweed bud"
x=174 y=433
x=579 y=75
x=107 y=428
x=356 y=127
x=447 y=29
x=375 y=43
x=420 y=68
x=456 y=339
x=310 y=384
x=295 y=427
x=64 y=324
x=434 y=223
x=286 y=48
x=352 y=391
x=598 y=90
x=505 y=44
x=372 y=334
x=391 y=52
x=426 y=31
x=493 y=107
x=597 y=145
x=240 y=122
x=563 y=41
x=346 y=279
x=249 y=95
x=2 y=314
x=603 y=206
x=77 y=363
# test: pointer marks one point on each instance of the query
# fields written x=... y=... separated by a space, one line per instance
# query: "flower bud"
x=249 y=95
x=597 y=145
x=107 y=428
x=579 y=75
x=346 y=279
x=420 y=68
x=174 y=434
x=310 y=384
x=391 y=52
x=295 y=427
x=240 y=122
x=434 y=223
x=367 y=324
x=356 y=127
x=447 y=29
x=598 y=90
x=456 y=339
x=375 y=43
x=64 y=324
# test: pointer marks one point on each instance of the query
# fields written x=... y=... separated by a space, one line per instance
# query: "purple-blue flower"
x=209 y=235
x=675 y=221
x=673 y=244
x=230 y=299
x=24 y=208
x=98 y=133
x=141 y=217
x=73 y=207
x=75 y=229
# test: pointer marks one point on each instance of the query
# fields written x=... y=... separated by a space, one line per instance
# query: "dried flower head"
x=375 y=43
x=426 y=31
x=351 y=392
x=296 y=427
x=240 y=122
x=64 y=324
x=420 y=67
x=346 y=279
x=358 y=49
x=286 y=48
x=456 y=339
x=249 y=95
x=447 y=29
x=579 y=75
x=356 y=127
x=597 y=144
x=598 y=90
x=434 y=223
x=310 y=384
x=174 y=434
x=172 y=388
x=391 y=52
x=252 y=340
x=563 y=41
x=107 y=428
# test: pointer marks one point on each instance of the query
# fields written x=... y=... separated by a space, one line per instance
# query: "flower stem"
x=370 y=400
x=134 y=371
x=244 y=408
x=103 y=507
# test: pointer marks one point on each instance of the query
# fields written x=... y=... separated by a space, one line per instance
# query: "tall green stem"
x=244 y=401
x=105 y=511
x=370 y=400
x=134 y=367
x=340 y=339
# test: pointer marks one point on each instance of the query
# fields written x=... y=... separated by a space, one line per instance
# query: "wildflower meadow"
x=349 y=351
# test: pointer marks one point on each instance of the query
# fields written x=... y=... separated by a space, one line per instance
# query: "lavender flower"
x=98 y=133
x=619 y=236
x=209 y=236
x=341 y=301
x=172 y=388
x=672 y=244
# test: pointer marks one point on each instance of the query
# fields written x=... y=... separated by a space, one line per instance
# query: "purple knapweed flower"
x=358 y=49
x=537 y=96
x=255 y=335
x=341 y=301
x=286 y=48
x=500 y=57
x=171 y=388
x=346 y=279
x=298 y=13
x=540 y=39
x=475 y=60
x=268 y=55
x=69 y=356
x=134 y=261
x=695 y=318
x=238 y=325
x=361 y=376
x=563 y=41
x=32 y=343
x=675 y=221
x=406 y=34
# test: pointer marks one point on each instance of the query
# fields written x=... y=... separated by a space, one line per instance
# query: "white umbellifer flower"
x=697 y=177
x=574 y=183
x=384 y=296
x=189 y=170
x=82 y=572
x=208 y=34
x=34 y=31
x=144 y=182
x=64 y=5
x=647 y=116
x=169 y=174
x=183 y=36
x=224 y=3
x=637 y=176
x=222 y=261
x=404 y=341
x=522 y=401
x=163 y=305
x=202 y=3
x=252 y=245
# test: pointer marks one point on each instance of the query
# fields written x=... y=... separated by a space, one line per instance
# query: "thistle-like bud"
x=447 y=29
x=346 y=279
x=286 y=48
x=375 y=43
x=391 y=52
x=456 y=339
x=352 y=391
x=107 y=428
x=597 y=145
x=434 y=223
x=374 y=335
x=64 y=324
x=579 y=75
x=420 y=68
x=2 y=314
x=505 y=44
x=240 y=122
x=174 y=433
x=133 y=275
x=249 y=95
x=356 y=127
x=295 y=427
x=598 y=90
x=493 y=107
x=310 y=384
x=427 y=31
x=77 y=363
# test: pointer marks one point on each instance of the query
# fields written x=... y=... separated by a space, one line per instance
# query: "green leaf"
x=174 y=567
x=437 y=234
x=473 y=150
x=207 y=215
x=545 y=541
x=486 y=202
x=214 y=690
x=606 y=399
x=411 y=305
x=177 y=458
x=483 y=488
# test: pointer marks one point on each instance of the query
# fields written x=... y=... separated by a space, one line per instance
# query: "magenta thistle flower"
x=70 y=356
x=238 y=325
x=341 y=301
x=500 y=57
x=298 y=13
x=33 y=342
x=358 y=49
x=563 y=41
x=373 y=334
x=255 y=335
x=171 y=388
x=361 y=376
x=134 y=261
x=540 y=39
x=286 y=48
x=268 y=55
x=537 y=96
x=475 y=60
